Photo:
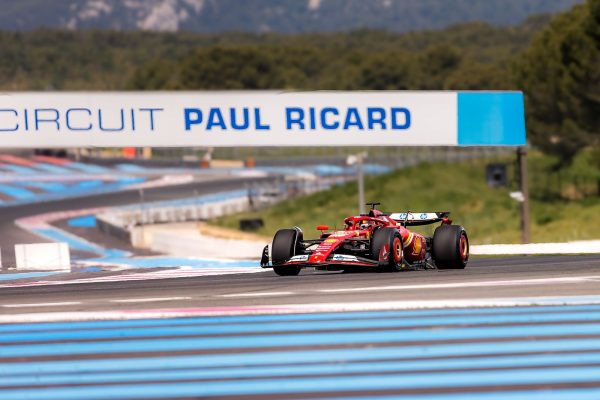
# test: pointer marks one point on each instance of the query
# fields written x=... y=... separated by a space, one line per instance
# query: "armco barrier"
x=122 y=222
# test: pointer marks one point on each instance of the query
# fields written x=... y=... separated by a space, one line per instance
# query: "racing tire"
x=285 y=244
x=387 y=248
x=450 y=247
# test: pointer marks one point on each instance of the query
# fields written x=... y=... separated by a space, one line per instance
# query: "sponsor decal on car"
x=300 y=258
x=344 y=257
x=417 y=246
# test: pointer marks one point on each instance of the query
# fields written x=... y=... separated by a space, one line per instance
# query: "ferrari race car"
x=377 y=240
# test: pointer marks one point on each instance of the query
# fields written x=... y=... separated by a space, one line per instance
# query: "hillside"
x=282 y=16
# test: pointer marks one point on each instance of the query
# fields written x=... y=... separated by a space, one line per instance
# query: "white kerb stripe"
x=260 y=294
x=64 y=303
x=516 y=282
x=149 y=299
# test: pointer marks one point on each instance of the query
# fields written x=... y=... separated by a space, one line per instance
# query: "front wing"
x=334 y=260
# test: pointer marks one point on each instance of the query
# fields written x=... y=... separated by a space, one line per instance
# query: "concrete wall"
x=130 y=223
x=174 y=243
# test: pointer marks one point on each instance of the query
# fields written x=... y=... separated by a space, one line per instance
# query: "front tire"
x=387 y=248
x=285 y=244
x=450 y=247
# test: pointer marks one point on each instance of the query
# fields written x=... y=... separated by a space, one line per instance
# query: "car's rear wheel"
x=387 y=248
x=450 y=248
x=285 y=244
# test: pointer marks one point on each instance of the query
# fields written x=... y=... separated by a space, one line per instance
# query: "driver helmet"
x=365 y=224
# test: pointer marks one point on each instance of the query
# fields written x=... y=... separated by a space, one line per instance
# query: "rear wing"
x=419 y=218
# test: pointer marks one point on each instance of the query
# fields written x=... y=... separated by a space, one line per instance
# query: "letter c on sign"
x=324 y=122
x=78 y=128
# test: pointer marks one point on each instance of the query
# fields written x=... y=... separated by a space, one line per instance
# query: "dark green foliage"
x=560 y=74
x=472 y=56
x=230 y=68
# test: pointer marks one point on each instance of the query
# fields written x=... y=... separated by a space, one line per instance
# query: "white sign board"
x=180 y=119
x=43 y=257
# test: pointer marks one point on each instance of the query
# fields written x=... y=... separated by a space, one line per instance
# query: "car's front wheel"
x=284 y=247
x=387 y=248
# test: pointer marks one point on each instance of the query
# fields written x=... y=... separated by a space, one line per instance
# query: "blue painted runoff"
x=47 y=186
x=16 y=192
x=86 y=221
x=25 y=275
x=205 y=199
x=88 y=168
x=297 y=339
x=131 y=180
x=246 y=319
x=19 y=169
x=74 y=242
x=491 y=119
x=308 y=385
x=288 y=357
x=55 y=169
x=533 y=394
x=193 y=373
x=131 y=168
x=312 y=326
x=87 y=185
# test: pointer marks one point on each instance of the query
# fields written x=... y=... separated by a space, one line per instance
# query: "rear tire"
x=450 y=248
x=387 y=248
x=285 y=244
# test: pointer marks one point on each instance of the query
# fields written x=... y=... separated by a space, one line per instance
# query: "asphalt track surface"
x=227 y=336
x=515 y=277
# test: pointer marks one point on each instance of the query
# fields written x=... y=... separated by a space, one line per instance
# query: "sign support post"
x=524 y=187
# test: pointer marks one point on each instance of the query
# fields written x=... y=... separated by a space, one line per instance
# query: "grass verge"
x=488 y=214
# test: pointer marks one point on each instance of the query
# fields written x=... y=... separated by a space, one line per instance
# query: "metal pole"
x=524 y=186
x=142 y=211
x=361 y=183
x=196 y=207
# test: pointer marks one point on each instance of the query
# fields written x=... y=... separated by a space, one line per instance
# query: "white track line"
x=295 y=309
x=149 y=299
x=64 y=303
x=517 y=282
x=260 y=294
x=143 y=276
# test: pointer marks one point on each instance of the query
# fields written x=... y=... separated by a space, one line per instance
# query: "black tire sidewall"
x=284 y=246
x=382 y=237
x=446 y=247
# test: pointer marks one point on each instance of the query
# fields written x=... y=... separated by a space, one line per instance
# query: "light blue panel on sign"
x=491 y=119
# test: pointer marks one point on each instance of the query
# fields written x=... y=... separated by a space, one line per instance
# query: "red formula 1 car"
x=375 y=240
